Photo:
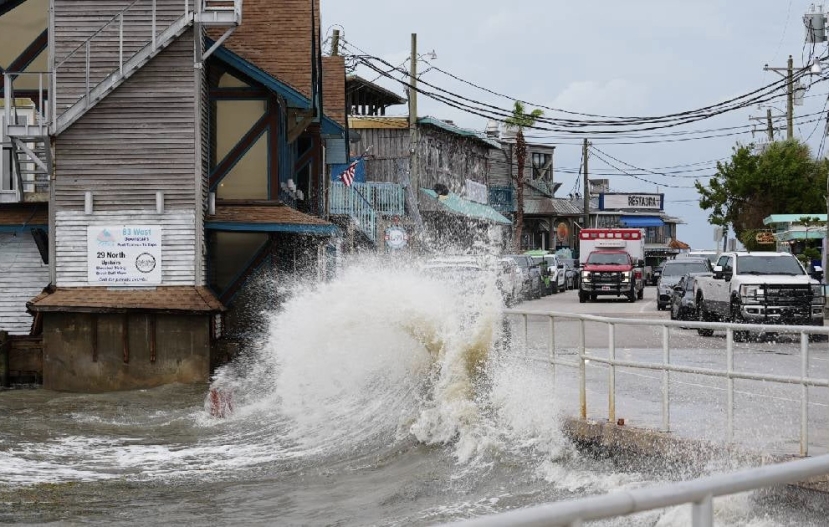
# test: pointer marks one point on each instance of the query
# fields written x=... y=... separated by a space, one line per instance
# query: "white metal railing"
x=39 y=125
x=363 y=202
x=667 y=367
x=699 y=493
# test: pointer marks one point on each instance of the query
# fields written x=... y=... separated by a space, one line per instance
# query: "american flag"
x=347 y=176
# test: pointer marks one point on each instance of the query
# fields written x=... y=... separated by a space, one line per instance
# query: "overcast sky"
x=633 y=58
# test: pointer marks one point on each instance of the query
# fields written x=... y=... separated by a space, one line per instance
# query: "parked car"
x=531 y=276
x=571 y=273
x=683 y=297
x=552 y=270
x=657 y=273
x=672 y=271
x=510 y=281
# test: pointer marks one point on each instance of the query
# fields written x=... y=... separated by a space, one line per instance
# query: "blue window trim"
x=294 y=228
x=20 y=228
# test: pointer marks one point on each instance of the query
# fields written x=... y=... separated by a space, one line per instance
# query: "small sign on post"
x=765 y=238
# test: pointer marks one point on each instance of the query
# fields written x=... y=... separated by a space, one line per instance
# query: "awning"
x=457 y=205
x=816 y=233
x=641 y=221
x=166 y=299
x=267 y=218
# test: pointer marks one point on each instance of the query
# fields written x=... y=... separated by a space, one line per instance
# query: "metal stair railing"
x=131 y=55
x=355 y=203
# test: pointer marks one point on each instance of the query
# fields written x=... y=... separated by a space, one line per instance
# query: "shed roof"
x=266 y=217
x=172 y=299
x=552 y=206
x=354 y=83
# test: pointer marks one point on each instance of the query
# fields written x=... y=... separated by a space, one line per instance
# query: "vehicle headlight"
x=626 y=276
x=751 y=291
x=585 y=276
x=817 y=294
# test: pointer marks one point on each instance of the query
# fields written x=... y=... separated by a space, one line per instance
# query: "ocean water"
x=383 y=397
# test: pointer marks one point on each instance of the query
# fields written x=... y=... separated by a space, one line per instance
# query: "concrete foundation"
x=93 y=353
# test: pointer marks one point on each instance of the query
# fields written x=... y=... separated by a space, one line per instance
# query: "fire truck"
x=612 y=263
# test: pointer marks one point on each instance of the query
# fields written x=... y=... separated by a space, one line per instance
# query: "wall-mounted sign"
x=765 y=238
x=124 y=255
x=621 y=201
x=476 y=192
x=562 y=232
x=396 y=237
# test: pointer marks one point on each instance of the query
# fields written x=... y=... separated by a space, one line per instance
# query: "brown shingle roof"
x=24 y=214
x=261 y=213
x=172 y=299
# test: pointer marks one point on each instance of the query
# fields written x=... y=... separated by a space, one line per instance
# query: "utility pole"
x=335 y=43
x=769 y=124
x=413 y=176
x=789 y=76
x=584 y=154
x=790 y=99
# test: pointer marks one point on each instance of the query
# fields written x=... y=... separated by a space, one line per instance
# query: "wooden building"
x=171 y=156
x=451 y=175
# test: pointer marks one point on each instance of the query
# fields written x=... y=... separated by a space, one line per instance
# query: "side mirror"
x=718 y=272
x=640 y=263
x=561 y=266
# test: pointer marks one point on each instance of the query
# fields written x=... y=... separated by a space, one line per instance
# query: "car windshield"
x=681 y=268
x=608 y=259
x=756 y=264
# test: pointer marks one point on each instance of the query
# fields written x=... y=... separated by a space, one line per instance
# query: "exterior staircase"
x=31 y=138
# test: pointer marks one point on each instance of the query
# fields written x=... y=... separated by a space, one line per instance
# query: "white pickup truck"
x=759 y=288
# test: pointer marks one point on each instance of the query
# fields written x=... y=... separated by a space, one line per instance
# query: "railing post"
x=121 y=43
x=729 y=359
x=582 y=373
x=804 y=394
x=702 y=512
x=553 y=348
x=526 y=334
x=153 y=26
x=87 y=73
x=611 y=374
x=7 y=96
x=666 y=394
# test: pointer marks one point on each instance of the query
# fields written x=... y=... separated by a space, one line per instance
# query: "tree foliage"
x=782 y=179
x=520 y=119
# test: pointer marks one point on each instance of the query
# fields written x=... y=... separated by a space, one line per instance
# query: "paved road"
x=766 y=415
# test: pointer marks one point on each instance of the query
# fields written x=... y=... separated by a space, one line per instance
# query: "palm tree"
x=520 y=120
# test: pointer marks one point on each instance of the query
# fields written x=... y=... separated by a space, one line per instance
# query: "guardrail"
x=699 y=493
x=666 y=367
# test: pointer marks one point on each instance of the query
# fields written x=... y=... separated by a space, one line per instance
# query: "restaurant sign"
x=124 y=255
x=621 y=201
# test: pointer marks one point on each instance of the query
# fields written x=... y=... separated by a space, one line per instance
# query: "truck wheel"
x=555 y=288
x=593 y=297
x=702 y=316
x=641 y=294
x=632 y=294
x=582 y=297
x=736 y=318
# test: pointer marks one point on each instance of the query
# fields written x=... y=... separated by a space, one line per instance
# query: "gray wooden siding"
x=77 y=20
x=178 y=243
x=23 y=275
x=442 y=157
x=138 y=140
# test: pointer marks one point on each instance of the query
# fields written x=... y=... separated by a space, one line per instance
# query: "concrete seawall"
x=645 y=449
